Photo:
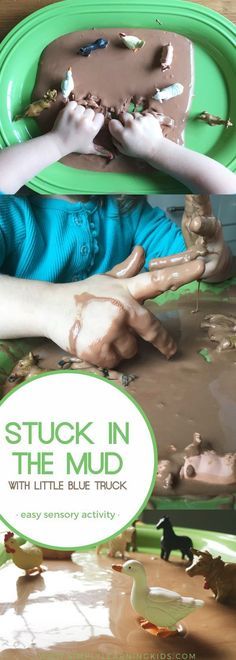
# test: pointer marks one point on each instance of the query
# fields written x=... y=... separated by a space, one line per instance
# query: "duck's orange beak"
x=117 y=567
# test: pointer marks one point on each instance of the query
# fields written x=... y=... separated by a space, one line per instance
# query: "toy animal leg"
x=37 y=570
x=165 y=632
x=156 y=630
x=166 y=555
x=162 y=553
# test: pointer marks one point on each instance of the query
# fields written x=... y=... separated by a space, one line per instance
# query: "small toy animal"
x=197 y=462
x=214 y=120
x=222 y=330
x=167 y=56
x=99 y=43
x=168 y=92
x=25 y=368
x=36 y=107
x=160 y=609
x=67 y=84
x=131 y=42
x=219 y=576
x=118 y=544
x=30 y=559
x=170 y=541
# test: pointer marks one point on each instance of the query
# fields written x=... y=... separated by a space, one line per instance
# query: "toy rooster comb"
x=8 y=536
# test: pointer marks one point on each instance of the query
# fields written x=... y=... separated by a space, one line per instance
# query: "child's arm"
x=141 y=137
x=74 y=130
x=97 y=319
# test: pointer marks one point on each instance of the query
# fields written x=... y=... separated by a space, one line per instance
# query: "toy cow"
x=219 y=576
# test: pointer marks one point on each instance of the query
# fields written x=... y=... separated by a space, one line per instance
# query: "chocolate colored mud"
x=113 y=77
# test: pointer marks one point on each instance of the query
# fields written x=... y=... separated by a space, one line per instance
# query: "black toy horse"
x=170 y=541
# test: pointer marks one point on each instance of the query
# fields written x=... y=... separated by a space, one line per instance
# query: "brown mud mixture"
x=181 y=396
x=114 y=77
x=90 y=604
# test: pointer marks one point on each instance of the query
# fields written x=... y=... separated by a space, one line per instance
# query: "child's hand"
x=138 y=135
x=75 y=129
x=218 y=260
x=100 y=318
x=215 y=253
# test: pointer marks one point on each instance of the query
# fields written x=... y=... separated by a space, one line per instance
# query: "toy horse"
x=170 y=541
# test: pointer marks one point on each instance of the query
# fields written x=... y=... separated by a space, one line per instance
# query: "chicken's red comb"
x=8 y=536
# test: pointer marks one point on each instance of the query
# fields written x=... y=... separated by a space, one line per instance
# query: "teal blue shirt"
x=59 y=241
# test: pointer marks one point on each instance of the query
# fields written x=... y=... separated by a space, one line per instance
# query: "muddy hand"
x=197 y=250
x=76 y=128
x=152 y=284
x=100 y=319
x=218 y=260
x=130 y=266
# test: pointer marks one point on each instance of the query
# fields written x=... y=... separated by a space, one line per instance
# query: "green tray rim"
x=107 y=183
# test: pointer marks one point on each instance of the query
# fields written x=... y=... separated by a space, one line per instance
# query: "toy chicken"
x=131 y=42
x=29 y=559
x=67 y=84
x=160 y=609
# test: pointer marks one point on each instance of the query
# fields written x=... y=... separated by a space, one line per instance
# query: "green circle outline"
x=76 y=372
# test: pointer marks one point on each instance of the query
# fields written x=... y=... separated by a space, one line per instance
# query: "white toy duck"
x=67 y=84
x=131 y=42
x=160 y=609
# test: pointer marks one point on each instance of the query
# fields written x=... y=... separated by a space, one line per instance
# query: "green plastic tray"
x=148 y=539
x=222 y=502
x=214 y=61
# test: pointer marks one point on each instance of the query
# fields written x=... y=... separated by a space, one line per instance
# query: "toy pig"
x=168 y=93
x=167 y=56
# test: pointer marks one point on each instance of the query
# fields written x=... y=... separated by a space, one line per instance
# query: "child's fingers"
x=116 y=129
x=177 y=259
x=209 y=227
x=77 y=111
x=126 y=119
x=130 y=266
x=71 y=106
x=98 y=150
x=149 y=285
x=89 y=114
x=126 y=345
x=98 y=121
x=173 y=260
x=119 y=146
x=147 y=326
